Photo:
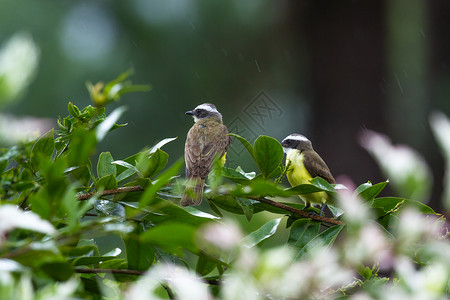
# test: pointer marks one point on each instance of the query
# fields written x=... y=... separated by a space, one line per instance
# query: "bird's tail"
x=193 y=192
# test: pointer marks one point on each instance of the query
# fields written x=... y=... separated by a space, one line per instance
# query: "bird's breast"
x=297 y=173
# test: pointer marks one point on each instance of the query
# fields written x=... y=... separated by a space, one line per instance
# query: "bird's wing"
x=202 y=149
x=315 y=165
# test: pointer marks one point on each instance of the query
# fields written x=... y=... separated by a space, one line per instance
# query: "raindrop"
x=398 y=83
x=256 y=62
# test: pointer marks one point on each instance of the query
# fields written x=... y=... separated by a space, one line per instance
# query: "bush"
x=57 y=207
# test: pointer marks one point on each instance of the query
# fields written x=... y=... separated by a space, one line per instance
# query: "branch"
x=137 y=188
x=297 y=211
x=112 y=271
x=129 y=272
x=125 y=189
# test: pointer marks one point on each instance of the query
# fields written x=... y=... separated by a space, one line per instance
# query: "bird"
x=207 y=140
x=305 y=164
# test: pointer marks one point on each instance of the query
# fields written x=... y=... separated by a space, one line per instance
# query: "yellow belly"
x=223 y=159
x=297 y=174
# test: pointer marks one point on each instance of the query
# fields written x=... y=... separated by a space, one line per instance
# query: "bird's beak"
x=190 y=112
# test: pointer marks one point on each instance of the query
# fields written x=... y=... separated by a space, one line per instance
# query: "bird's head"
x=296 y=141
x=205 y=111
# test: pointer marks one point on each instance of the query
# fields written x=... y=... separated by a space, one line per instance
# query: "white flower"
x=186 y=285
x=407 y=170
x=18 y=64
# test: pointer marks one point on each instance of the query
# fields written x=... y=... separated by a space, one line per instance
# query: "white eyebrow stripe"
x=296 y=137
x=206 y=107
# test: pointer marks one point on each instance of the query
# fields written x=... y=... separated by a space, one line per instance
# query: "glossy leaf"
x=151 y=191
x=104 y=165
x=259 y=235
x=304 y=189
x=109 y=123
x=160 y=144
x=205 y=265
x=268 y=154
x=82 y=145
x=129 y=170
x=370 y=192
x=107 y=182
x=389 y=203
x=171 y=237
x=58 y=270
x=245 y=143
x=247 y=207
x=302 y=232
x=151 y=165
x=140 y=256
x=91 y=260
x=234 y=175
x=43 y=147
x=322 y=184
x=325 y=239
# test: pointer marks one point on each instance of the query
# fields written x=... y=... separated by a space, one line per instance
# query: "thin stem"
x=285 y=170
x=297 y=211
x=288 y=208
x=22 y=204
x=111 y=271
x=125 y=189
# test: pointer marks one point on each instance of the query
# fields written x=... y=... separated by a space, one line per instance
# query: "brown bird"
x=206 y=140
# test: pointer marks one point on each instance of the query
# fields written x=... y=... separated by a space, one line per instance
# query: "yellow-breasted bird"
x=207 y=140
x=305 y=164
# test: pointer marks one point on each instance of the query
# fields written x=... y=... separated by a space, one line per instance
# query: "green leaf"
x=160 y=144
x=234 y=176
x=258 y=188
x=246 y=144
x=139 y=256
x=150 y=166
x=82 y=145
x=105 y=166
x=268 y=154
x=107 y=182
x=302 y=232
x=129 y=171
x=74 y=111
x=91 y=260
x=171 y=237
x=58 y=270
x=81 y=174
x=322 y=184
x=205 y=265
x=324 y=239
x=151 y=191
x=228 y=203
x=304 y=189
x=370 y=192
x=42 y=148
x=389 y=203
x=247 y=207
x=362 y=187
x=259 y=235
x=108 y=124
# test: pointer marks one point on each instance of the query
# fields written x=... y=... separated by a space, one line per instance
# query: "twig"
x=286 y=169
x=112 y=271
x=169 y=291
x=297 y=211
x=125 y=189
x=137 y=188
x=130 y=272
x=22 y=204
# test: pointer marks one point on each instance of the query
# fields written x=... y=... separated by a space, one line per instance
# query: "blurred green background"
x=327 y=69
